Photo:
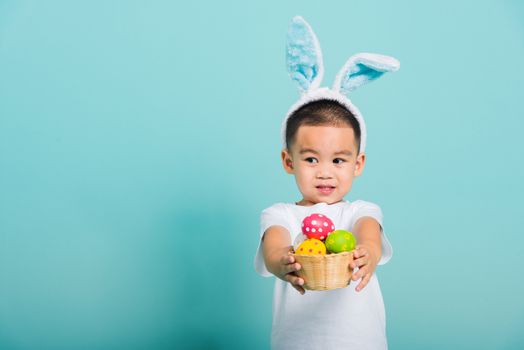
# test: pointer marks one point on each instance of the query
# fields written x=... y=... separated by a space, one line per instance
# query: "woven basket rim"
x=320 y=257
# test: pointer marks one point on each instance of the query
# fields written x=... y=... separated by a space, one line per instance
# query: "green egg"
x=340 y=241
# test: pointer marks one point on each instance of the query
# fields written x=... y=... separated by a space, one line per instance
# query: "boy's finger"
x=360 y=252
x=363 y=283
x=300 y=289
x=287 y=259
x=292 y=267
x=359 y=262
x=294 y=280
x=359 y=274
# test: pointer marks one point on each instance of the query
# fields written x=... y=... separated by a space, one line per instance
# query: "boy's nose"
x=323 y=174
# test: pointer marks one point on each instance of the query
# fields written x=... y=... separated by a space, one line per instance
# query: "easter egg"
x=298 y=240
x=311 y=246
x=317 y=226
x=340 y=241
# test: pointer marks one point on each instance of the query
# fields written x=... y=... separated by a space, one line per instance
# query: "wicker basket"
x=325 y=272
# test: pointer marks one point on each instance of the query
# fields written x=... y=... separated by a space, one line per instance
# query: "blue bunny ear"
x=363 y=68
x=303 y=55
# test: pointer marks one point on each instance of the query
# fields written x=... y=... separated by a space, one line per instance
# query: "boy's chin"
x=315 y=200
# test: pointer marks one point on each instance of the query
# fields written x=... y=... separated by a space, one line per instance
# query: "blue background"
x=139 y=142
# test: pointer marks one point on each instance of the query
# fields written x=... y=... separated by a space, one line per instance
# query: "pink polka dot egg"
x=317 y=226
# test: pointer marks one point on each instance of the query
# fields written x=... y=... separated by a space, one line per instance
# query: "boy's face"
x=324 y=161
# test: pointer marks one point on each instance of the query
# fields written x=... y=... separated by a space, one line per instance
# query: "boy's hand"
x=277 y=246
x=366 y=261
x=288 y=267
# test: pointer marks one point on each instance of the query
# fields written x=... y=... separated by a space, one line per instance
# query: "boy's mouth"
x=323 y=189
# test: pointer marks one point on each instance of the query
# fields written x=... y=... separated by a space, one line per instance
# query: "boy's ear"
x=359 y=164
x=287 y=161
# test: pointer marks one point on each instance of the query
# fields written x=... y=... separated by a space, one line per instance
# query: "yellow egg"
x=311 y=246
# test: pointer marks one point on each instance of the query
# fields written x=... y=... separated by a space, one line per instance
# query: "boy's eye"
x=338 y=161
x=311 y=160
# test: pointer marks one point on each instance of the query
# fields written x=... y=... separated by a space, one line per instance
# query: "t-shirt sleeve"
x=372 y=210
x=272 y=216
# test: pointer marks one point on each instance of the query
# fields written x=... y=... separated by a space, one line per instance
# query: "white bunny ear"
x=303 y=55
x=363 y=68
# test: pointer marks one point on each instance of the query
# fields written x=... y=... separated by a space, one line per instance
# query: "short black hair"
x=321 y=112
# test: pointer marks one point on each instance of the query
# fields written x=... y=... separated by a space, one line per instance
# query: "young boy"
x=324 y=140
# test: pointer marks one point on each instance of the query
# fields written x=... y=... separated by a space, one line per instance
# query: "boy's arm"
x=368 y=250
x=276 y=246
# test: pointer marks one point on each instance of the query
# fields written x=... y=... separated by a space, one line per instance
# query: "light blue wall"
x=139 y=142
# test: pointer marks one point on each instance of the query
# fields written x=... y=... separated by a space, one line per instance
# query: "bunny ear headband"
x=305 y=66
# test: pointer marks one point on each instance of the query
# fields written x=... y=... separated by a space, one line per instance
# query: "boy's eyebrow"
x=345 y=152
x=310 y=150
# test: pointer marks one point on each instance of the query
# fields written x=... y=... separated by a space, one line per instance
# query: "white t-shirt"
x=335 y=319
